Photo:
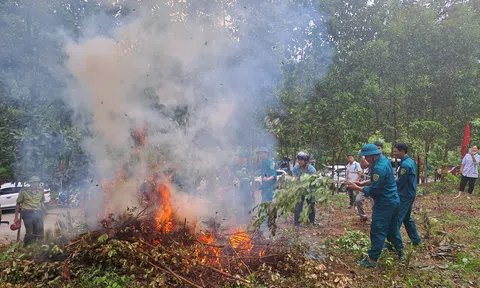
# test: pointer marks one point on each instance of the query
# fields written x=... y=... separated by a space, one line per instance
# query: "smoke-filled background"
x=197 y=78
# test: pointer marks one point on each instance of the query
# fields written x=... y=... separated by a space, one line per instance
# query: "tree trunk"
x=426 y=161
x=297 y=140
x=445 y=155
x=333 y=164
x=418 y=169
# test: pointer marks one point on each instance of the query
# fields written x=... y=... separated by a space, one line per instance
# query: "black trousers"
x=471 y=184
x=352 y=196
x=33 y=221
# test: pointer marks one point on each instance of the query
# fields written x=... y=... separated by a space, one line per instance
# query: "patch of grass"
x=339 y=201
x=468 y=262
x=412 y=281
x=449 y=216
x=356 y=242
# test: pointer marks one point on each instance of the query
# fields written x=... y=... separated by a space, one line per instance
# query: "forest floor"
x=325 y=255
x=448 y=257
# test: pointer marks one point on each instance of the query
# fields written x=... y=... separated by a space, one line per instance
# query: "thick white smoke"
x=192 y=82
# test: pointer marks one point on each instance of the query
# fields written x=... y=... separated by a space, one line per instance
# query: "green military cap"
x=369 y=150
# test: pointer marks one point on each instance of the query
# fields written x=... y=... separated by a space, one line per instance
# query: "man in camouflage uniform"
x=31 y=201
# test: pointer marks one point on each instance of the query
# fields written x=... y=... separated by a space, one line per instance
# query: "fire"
x=262 y=252
x=213 y=255
x=164 y=214
x=241 y=241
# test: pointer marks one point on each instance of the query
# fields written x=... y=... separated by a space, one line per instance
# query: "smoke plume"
x=196 y=78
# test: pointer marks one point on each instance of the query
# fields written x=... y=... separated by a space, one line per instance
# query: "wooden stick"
x=19 y=229
x=73 y=243
x=241 y=260
x=228 y=275
x=169 y=271
x=210 y=245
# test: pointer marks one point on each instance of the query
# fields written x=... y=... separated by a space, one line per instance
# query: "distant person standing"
x=31 y=201
x=354 y=172
x=285 y=165
x=469 y=172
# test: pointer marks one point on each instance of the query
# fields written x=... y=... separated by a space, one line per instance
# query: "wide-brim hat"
x=369 y=150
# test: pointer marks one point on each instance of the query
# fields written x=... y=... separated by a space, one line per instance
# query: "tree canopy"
x=396 y=70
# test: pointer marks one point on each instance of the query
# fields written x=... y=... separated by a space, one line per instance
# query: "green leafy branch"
x=311 y=187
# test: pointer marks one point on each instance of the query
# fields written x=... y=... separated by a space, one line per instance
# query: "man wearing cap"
x=365 y=181
x=383 y=189
x=31 y=200
x=407 y=191
x=268 y=174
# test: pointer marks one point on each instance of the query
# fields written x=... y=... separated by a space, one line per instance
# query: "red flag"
x=466 y=140
x=62 y=167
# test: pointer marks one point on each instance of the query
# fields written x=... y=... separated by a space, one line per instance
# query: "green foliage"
x=286 y=199
x=396 y=72
x=103 y=238
x=377 y=136
x=98 y=278
x=356 y=242
x=452 y=178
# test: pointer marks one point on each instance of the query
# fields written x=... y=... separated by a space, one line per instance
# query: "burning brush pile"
x=149 y=247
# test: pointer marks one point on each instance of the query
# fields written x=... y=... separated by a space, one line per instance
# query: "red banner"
x=466 y=140
x=62 y=167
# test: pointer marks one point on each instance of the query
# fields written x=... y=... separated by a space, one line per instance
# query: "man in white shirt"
x=354 y=172
x=469 y=172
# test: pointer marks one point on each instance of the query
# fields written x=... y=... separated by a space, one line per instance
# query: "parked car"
x=339 y=181
x=280 y=177
x=9 y=195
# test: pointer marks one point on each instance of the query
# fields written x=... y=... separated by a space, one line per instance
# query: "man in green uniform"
x=407 y=191
x=31 y=200
x=383 y=189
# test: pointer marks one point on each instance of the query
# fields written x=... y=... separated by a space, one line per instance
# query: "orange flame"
x=213 y=256
x=241 y=240
x=262 y=252
x=164 y=215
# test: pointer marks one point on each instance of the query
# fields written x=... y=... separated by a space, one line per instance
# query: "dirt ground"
x=449 y=256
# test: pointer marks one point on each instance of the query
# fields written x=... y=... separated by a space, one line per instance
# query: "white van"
x=9 y=195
